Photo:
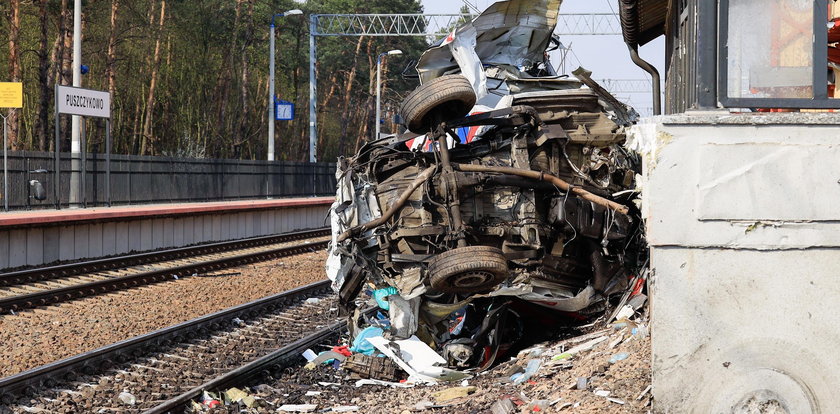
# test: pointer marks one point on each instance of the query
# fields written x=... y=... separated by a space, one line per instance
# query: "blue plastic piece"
x=361 y=344
x=381 y=296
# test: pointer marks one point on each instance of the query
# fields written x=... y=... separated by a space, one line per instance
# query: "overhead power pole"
x=75 y=143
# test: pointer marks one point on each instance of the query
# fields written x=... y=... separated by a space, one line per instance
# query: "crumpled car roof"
x=513 y=33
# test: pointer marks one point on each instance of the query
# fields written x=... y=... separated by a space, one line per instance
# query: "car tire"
x=472 y=269
x=441 y=99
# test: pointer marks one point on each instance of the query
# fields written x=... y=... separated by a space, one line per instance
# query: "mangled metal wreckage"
x=516 y=190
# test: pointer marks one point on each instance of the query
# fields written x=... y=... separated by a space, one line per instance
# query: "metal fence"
x=145 y=180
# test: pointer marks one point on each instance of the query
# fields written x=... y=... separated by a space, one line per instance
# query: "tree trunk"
x=42 y=123
x=247 y=41
x=110 y=70
x=345 y=116
x=14 y=67
x=150 y=102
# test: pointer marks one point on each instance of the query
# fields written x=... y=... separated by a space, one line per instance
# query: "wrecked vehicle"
x=511 y=186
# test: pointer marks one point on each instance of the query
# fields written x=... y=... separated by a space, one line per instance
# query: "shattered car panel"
x=538 y=208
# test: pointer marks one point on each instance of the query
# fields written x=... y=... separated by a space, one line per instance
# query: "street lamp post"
x=378 y=87
x=271 y=98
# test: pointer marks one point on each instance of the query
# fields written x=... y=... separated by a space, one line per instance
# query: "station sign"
x=83 y=102
x=284 y=110
x=11 y=95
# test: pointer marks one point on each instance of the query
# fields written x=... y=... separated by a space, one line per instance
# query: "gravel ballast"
x=40 y=336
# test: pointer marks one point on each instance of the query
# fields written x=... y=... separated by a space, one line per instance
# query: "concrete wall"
x=43 y=244
x=743 y=216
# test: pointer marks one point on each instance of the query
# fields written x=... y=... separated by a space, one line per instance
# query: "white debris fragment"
x=312 y=393
x=616 y=400
x=344 y=409
x=297 y=408
x=313 y=301
x=602 y=393
x=361 y=382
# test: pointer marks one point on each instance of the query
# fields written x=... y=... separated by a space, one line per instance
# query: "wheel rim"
x=471 y=279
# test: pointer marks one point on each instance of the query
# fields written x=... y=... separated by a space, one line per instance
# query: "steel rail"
x=99 y=360
x=50 y=296
x=286 y=356
x=110 y=263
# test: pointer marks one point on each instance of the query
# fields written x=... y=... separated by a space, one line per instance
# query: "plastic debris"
x=530 y=370
x=127 y=398
x=621 y=356
x=602 y=393
x=361 y=343
x=616 y=400
x=582 y=383
x=238 y=322
x=450 y=394
x=381 y=296
x=313 y=301
x=309 y=355
x=297 y=408
x=312 y=393
x=209 y=400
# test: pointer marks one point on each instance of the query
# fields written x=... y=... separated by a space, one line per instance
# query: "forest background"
x=189 y=78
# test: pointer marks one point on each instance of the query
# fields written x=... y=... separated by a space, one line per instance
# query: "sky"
x=606 y=56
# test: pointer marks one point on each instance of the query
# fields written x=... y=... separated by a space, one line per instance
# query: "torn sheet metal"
x=512 y=33
x=421 y=362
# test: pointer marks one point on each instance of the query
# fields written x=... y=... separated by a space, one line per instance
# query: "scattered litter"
x=453 y=393
x=209 y=401
x=538 y=406
x=235 y=394
x=580 y=348
x=361 y=343
x=504 y=406
x=621 y=356
x=238 y=322
x=643 y=393
x=582 y=383
x=361 y=382
x=531 y=369
x=127 y=398
x=298 y=408
x=344 y=409
x=616 y=400
x=329 y=384
x=309 y=355
x=625 y=313
x=564 y=405
x=602 y=393
x=313 y=301
x=312 y=393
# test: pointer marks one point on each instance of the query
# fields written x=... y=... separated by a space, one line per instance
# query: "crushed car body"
x=511 y=188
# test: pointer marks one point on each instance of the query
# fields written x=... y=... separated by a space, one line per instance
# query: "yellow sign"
x=11 y=95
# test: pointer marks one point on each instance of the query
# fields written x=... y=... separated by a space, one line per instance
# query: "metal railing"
x=147 y=180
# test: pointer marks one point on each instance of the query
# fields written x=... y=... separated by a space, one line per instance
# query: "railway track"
x=43 y=286
x=163 y=370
